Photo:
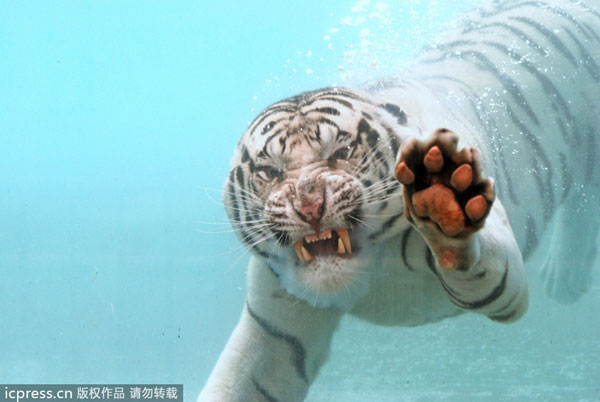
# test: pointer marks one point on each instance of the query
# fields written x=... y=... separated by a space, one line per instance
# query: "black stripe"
x=502 y=311
x=363 y=127
x=545 y=82
x=487 y=300
x=431 y=263
x=511 y=190
x=538 y=155
x=517 y=32
x=259 y=252
x=393 y=140
x=591 y=31
x=338 y=92
x=550 y=36
x=405 y=236
x=540 y=6
x=503 y=317
x=395 y=185
x=591 y=11
x=331 y=99
x=239 y=176
x=572 y=20
x=267 y=113
x=484 y=64
x=395 y=111
x=494 y=294
x=317 y=134
x=235 y=208
x=324 y=120
x=565 y=176
x=509 y=85
x=537 y=177
x=451 y=293
x=327 y=110
x=247 y=238
x=450 y=46
x=283 y=142
x=386 y=226
x=263 y=392
x=588 y=61
x=283 y=238
x=245 y=155
x=309 y=97
x=383 y=206
x=590 y=156
x=373 y=139
x=354 y=217
x=487 y=124
x=563 y=130
x=267 y=127
x=298 y=350
x=341 y=134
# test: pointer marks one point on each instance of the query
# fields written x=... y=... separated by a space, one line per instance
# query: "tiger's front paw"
x=445 y=195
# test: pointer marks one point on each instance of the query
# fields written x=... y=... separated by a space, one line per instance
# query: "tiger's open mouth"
x=328 y=242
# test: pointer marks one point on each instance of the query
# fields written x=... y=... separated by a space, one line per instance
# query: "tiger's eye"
x=341 y=153
x=272 y=173
x=269 y=173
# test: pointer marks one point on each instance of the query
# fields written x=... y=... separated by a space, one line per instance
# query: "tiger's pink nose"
x=312 y=210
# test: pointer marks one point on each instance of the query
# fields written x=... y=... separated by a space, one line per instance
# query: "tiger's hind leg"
x=567 y=271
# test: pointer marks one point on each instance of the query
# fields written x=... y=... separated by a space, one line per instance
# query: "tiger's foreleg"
x=276 y=349
x=451 y=204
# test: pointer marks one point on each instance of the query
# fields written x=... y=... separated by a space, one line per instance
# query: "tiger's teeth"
x=299 y=248
x=343 y=233
x=306 y=254
x=325 y=235
x=341 y=249
x=311 y=238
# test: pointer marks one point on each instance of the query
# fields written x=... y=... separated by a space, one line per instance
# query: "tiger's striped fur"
x=518 y=80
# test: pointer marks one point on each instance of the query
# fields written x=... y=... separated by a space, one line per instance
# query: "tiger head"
x=312 y=191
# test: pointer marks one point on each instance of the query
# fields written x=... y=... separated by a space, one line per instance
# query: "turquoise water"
x=117 y=123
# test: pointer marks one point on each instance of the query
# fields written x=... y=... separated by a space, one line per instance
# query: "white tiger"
x=373 y=202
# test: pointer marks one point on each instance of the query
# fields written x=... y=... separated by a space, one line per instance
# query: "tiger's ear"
x=395 y=111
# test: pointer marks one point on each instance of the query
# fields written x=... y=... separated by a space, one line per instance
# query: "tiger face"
x=312 y=192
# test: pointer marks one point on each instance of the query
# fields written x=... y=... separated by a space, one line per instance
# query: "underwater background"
x=117 y=123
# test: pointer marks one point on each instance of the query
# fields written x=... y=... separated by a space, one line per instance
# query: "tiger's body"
x=314 y=193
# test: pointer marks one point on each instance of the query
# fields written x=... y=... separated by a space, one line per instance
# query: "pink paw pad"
x=444 y=185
